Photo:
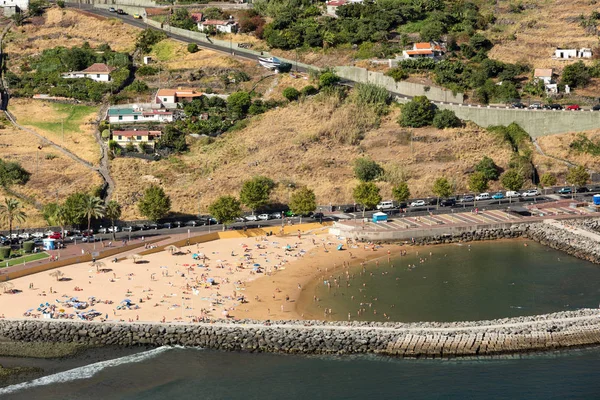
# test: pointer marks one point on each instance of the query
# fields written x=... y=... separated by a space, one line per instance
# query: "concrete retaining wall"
x=432 y=340
x=433 y=93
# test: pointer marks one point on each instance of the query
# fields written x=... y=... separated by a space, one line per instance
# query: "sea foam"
x=84 y=372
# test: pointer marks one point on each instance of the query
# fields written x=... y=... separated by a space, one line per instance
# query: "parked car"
x=530 y=193
x=114 y=229
x=91 y=239
x=553 y=107
x=120 y=11
x=103 y=230
x=128 y=229
x=512 y=193
x=448 y=202
x=565 y=190
x=535 y=106
x=154 y=226
x=55 y=235
x=140 y=227
x=24 y=235
x=482 y=196
x=573 y=107
x=251 y=218
x=318 y=215
x=498 y=196
x=276 y=215
x=167 y=225
x=74 y=238
x=177 y=224
x=518 y=105
x=137 y=16
x=582 y=189
x=596 y=107
x=385 y=205
x=264 y=217
x=192 y=223
x=467 y=199
x=112 y=9
x=418 y=203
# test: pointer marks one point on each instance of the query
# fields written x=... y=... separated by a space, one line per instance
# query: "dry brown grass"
x=44 y=117
x=53 y=179
x=543 y=26
x=294 y=146
x=69 y=28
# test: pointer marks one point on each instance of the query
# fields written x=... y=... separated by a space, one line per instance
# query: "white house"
x=123 y=115
x=98 y=72
x=567 y=54
x=136 y=137
x=224 y=26
x=169 y=98
x=545 y=75
x=332 y=6
x=12 y=7
x=425 y=50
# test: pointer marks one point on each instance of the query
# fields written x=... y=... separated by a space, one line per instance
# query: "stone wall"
x=432 y=340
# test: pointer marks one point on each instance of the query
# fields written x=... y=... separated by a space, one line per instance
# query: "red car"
x=573 y=107
x=55 y=235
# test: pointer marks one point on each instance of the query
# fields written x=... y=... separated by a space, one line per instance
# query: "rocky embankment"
x=431 y=339
x=516 y=231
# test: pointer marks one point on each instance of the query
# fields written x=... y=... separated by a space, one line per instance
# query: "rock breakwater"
x=430 y=339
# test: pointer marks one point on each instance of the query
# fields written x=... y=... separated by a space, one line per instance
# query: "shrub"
x=138 y=87
x=291 y=94
x=446 y=119
x=488 y=168
x=366 y=169
x=4 y=252
x=417 y=113
x=28 y=247
x=398 y=74
x=147 y=70
x=328 y=79
x=576 y=75
x=192 y=47
x=106 y=134
x=309 y=90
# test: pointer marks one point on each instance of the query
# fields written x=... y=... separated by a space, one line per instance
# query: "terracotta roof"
x=418 y=52
x=422 y=46
x=179 y=92
x=136 y=133
x=541 y=72
x=337 y=3
x=197 y=17
x=166 y=92
x=99 y=68
x=155 y=112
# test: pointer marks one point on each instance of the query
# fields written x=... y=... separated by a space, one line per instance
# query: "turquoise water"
x=483 y=280
x=197 y=374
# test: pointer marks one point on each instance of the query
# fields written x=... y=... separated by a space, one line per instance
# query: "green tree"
x=328 y=79
x=11 y=212
x=478 y=182
x=512 y=180
x=488 y=168
x=238 y=104
x=255 y=192
x=73 y=206
x=547 y=180
x=93 y=207
x=49 y=212
x=303 y=201
x=417 y=113
x=576 y=75
x=366 y=169
x=172 y=139
x=225 y=209
x=441 y=188
x=401 y=192
x=578 y=176
x=192 y=48
x=11 y=173
x=291 y=94
x=367 y=194
x=155 y=203
x=446 y=119
x=113 y=212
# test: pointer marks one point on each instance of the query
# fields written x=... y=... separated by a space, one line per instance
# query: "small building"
x=332 y=6
x=197 y=17
x=169 y=98
x=98 y=72
x=380 y=217
x=569 y=54
x=545 y=75
x=136 y=137
x=147 y=60
x=217 y=25
x=425 y=50
x=12 y=7
x=123 y=115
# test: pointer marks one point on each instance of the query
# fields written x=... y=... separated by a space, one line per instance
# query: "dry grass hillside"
x=533 y=34
x=68 y=27
x=53 y=175
x=559 y=146
x=304 y=144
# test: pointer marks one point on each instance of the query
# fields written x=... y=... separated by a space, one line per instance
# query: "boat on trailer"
x=270 y=62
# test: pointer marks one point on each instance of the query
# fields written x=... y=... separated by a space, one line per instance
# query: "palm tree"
x=57 y=274
x=113 y=211
x=11 y=212
x=93 y=207
x=61 y=216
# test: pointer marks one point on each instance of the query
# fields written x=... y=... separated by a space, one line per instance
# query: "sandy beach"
x=255 y=277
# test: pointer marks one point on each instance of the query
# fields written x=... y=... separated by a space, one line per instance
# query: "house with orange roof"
x=425 y=50
x=169 y=98
x=98 y=72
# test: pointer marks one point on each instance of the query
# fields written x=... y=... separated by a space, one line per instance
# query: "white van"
x=385 y=205
x=512 y=193
x=483 y=196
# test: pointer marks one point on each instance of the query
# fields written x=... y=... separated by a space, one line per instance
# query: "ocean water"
x=483 y=280
x=177 y=373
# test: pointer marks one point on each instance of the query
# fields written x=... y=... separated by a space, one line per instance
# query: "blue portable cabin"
x=596 y=199
x=380 y=217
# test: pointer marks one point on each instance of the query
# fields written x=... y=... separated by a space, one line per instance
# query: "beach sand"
x=172 y=287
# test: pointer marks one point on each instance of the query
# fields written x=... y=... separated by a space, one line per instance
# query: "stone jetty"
x=428 y=339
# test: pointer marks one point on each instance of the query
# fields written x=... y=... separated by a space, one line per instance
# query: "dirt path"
x=104 y=168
